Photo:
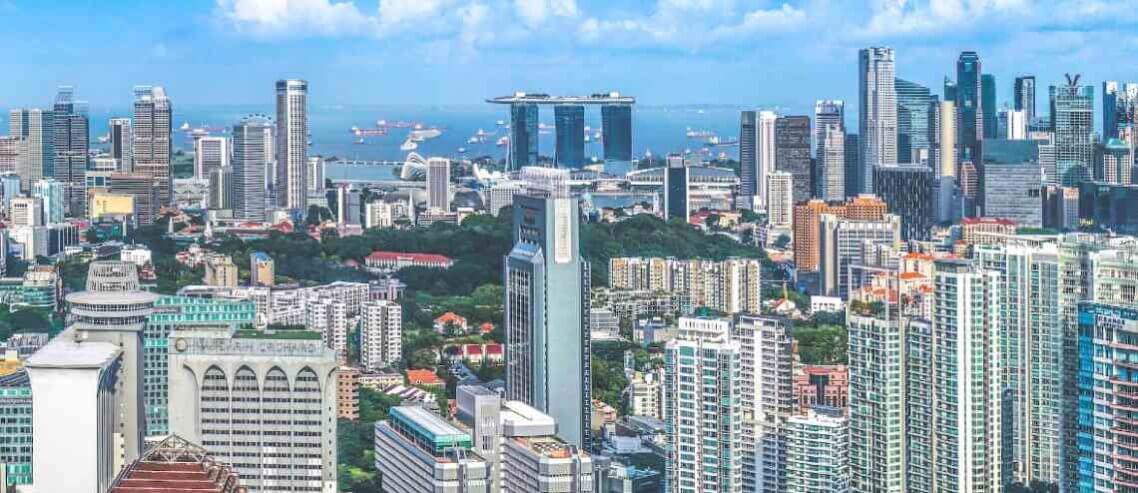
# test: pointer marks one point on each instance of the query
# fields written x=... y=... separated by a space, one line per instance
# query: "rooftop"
x=415 y=257
x=539 y=98
x=428 y=428
x=64 y=352
x=176 y=466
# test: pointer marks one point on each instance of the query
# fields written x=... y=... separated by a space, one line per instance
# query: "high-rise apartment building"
x=955 y=384
x=908 y=190
x=569 y=126
x=766 y=379
x=121 y=144
x=381 y=328
x=792 y=154
x=703 y=405
x=969 y=104
x=253 y=143
x=220 y=270
x=265 y=405
x=731 y=286
x=780 y=205
x=71 y=142
x=843 y=243
x=292 y=144
x=877 y=115
x=547 y=346
x=807 y=220
x=913 y=102
x=817 y=452
x=10 y=154
x=1072 y=119
x=36 y=128
x=1106 y=407
x=152 y=130
x=1023 y=97
x=438 y=184
x=210 y=153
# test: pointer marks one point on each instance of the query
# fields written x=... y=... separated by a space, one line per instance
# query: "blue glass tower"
x=616 y=121
x=988 y=105
x=969 y=105
x=523 y=136
x=1072 y=119
x=570 y=127
x=676 y=191
x=912 y=121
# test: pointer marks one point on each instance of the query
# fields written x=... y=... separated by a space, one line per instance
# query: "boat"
x=473 y=140
x=461 y=150
x=408 y=145
x=588 y=138
x=700 y=134
x=501 y=123
x=360 y=140
x=597 y=136
x=185 y=126
x=503 y=142
x=355 y=129
x=420 y=134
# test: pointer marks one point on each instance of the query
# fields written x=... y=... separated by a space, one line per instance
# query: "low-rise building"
x=348 y=393
x=424 y=378
x=417 y=451
x=451 y=322
x=392 y=261
x=821 y=385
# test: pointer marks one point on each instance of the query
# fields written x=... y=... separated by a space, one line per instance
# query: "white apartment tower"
x=381 y=328
x=780 y=199
x=767 y=399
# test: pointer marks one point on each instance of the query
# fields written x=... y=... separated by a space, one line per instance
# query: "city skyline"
x=776 y=50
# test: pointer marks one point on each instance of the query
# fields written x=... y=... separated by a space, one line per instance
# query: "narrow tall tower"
x=292 y=144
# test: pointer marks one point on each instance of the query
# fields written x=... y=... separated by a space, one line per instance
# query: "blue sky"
x=460 y=51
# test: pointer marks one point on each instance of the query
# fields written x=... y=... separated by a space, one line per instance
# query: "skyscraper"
x=547 y=349
x=122 y=143
x=988 y=104
x=817 y=452
x=908 y=190
x=766 y=392
x=438 y=184
x=1072 y=118
x=969 y=104
x=523 y=136
x=381 y=327
x=1024 y=97
x=947 y=163
x=1119 y=106
x=210 y=153
x=152 y=150
x=913 y=102
x=831 y=164
x=569 y=125
x=292 y=144
x=792 y=153
x=52 y=195
x=36 y=128
x=748 y=156
x=616 y=122
x=252 y=154
x=703 y=346
x=959 y=448
x=852 y=179
x=71 y=143
x=828 y=112
x=877 y=115
x=765 y=151
x=1106 y=397
x=780 y=207
x=842 y=243
x=677 y=191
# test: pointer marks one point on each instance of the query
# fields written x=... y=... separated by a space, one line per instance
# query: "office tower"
x=416 y=450
x=827 y=113
x=748 y=157
x=70 y=140
x=913 y=102
x=807 y=218
x=962 y=400
x=831 y=164
x=1114 y=163
x=1072 y=118
x=616 y=124
x=78 y=390
x=1106 y=405
x=241 y=395
x=381 y=327
x=122 y=144
x=1013 y=191
x=142 y=189
x=677 y=190
x=292 y=144
x=16 y=405
x=10 y=184
x=114 y=310
x=766 y=392
x=438 y=184
x=523 y=136
x=173 y=313
x=780 y=207
x=10 y=154
x=1108 y=206
x=792 y=153
x=877 y=115
x=569 y=126
x=222 y=192
x=703 y=346
x=1024 y=97
x=26 y=211
x=262 y=271
x=548 y=343
x=946 y=156
x=817 y=452
x=316 y=168
x=51 y=196
x=908 y=190
x=852 y=177
x=1031 y=356
x=765 y=151
x=988 y=104
x=36 y=127
x=1119 y=106
x=152 y=148
x=842 y=243
x=252 y=154
x=969 y=104
x=1012 y=124
x=210 y=153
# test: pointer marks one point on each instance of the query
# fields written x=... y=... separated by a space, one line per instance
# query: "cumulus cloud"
x=295 y=18
x=535 y=12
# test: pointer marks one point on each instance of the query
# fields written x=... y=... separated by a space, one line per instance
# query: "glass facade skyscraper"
x=71 y=142
x=1072 y=120
x=969 y=105
x=252 y=155
x=1024 y=97
x=912 y=122
x=616 y=125
x=677 y=197
x=877 y=115
x=988 y=105
x=569 y=123
x=1119 y=106
x=523 y=136
x=792 y=153
x=908 y=189
x=748 y=155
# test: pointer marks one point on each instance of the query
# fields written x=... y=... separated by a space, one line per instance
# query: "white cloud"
x=395 y=13
x=295 y=18
x=535 y=12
